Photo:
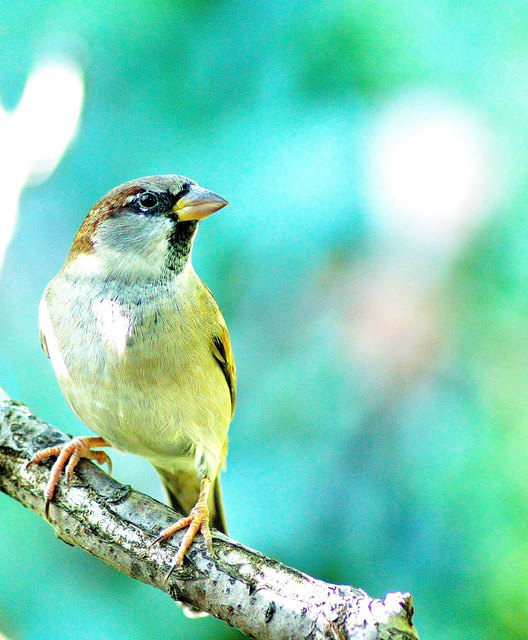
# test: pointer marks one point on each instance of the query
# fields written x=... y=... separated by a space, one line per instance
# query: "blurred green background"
x=372 y=268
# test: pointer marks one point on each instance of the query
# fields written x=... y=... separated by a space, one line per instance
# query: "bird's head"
x=143 y=227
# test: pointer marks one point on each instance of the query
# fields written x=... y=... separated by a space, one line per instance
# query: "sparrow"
x=140 y=349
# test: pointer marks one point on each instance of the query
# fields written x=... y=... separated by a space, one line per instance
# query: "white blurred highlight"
x=428 y=173
x=35 y=136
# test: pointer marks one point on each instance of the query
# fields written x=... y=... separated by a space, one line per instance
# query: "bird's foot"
x=68 y=455
x=197 y=520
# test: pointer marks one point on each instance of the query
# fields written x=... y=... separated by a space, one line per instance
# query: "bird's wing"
x=223 y=354
x=43 y=343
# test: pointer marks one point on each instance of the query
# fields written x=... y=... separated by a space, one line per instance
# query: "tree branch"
x=259 y=596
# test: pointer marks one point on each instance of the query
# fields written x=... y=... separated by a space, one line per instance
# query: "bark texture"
x=259 y=596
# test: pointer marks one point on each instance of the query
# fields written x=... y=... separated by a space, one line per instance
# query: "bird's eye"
x=148 y=200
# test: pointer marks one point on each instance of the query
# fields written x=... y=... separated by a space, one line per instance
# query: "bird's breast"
x=137 y=367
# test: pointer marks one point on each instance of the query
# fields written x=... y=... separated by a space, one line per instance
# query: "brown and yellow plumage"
x=140 y=348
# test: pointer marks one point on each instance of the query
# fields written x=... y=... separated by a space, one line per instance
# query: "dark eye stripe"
x=186 y=187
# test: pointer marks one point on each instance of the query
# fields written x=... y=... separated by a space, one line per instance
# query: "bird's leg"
x=68 y=455
x=197 y=520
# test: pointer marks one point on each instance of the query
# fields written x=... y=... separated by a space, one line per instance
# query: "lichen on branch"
x=258 y=595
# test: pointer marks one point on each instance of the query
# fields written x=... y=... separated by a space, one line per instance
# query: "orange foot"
x=197 y=520
x=77 y=448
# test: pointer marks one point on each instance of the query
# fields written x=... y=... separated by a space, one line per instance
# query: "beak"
x=198 y=204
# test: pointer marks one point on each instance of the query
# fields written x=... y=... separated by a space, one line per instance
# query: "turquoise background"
x=380 y=328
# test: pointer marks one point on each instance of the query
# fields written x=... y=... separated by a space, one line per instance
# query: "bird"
x=141 y=350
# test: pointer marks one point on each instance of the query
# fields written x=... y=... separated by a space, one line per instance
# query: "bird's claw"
x=68 y=455
x=197 y=520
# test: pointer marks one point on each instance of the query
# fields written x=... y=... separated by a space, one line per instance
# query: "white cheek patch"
x=85 y=264
x=55 y=355
x=132 y=245
x=113 y=324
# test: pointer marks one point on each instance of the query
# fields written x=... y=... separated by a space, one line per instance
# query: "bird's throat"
x=180 y=243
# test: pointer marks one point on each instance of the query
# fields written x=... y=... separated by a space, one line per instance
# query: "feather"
x=224 y=356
